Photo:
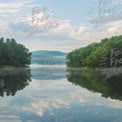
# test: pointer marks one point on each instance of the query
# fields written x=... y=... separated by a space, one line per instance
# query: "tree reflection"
x=13 y=80
x=108 y=82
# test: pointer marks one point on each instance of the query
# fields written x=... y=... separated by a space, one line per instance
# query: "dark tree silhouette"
x=13 y=80
x=12 y=53
x=96 y=81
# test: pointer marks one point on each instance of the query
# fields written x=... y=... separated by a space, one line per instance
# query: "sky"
x=61 y=25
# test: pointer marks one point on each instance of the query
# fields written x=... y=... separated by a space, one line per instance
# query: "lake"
x=60 y=94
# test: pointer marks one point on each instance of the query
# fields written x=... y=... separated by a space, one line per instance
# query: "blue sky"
x=73 y=30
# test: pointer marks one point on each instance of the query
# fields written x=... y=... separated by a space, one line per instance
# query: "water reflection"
x=59 y=101
x=12 y=80
x=108 y=82
x=48 y=73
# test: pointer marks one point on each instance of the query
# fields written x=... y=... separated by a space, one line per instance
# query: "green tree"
x=96 y=54
x=12 y=53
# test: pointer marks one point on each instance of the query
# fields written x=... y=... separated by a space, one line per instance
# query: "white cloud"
x=86 y=33
x=41 y=106
x=56 y=106
x=3 y=15
x=61 y=102
x=44 y=22
x=64 y=45
x=10 y=118
x=38 y=107
x=12 y=7
x=116 y=104
x=8 y=10
x=13 y=4
x=63 y=26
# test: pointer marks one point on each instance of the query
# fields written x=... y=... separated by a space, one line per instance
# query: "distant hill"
x=48 y=53
x=45 y=57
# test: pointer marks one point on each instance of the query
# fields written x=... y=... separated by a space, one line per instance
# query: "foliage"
x=12 y=53
x=96 y=54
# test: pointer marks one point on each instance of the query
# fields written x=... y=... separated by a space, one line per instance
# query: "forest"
x=13 y=53
x=107 y=53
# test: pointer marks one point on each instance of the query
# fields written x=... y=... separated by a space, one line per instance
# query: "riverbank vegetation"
x=107 y=53
x=13 y=53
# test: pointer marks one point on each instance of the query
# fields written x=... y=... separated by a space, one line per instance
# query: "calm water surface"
x=57 y=94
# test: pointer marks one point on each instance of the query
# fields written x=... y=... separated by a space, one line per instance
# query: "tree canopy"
x=107 y=53
x=13 y=53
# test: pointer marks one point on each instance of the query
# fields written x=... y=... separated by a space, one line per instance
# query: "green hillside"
x=107 y=53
